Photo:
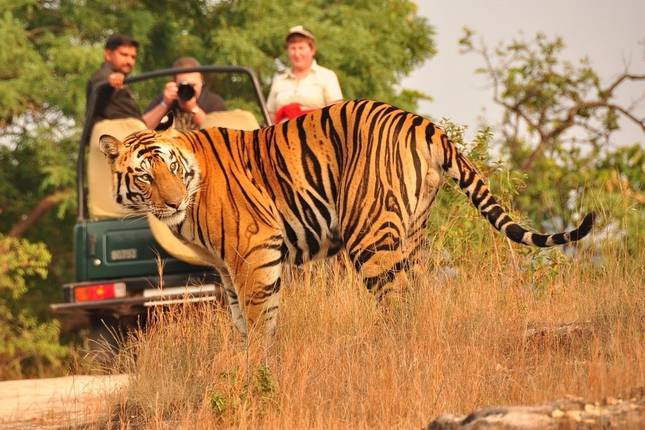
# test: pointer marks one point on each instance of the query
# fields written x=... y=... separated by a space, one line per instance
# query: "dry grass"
x=338 y=361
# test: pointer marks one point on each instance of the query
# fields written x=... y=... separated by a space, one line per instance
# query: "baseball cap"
x=301 y=30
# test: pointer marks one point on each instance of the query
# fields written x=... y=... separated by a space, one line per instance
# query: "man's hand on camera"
x=170 y=93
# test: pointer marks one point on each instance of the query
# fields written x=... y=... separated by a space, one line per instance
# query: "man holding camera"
x=184 y=102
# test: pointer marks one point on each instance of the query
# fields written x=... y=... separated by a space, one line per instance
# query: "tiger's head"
x=152 y=175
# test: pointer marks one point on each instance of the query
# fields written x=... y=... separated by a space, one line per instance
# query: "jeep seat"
x=237 y=119
x=100 y=199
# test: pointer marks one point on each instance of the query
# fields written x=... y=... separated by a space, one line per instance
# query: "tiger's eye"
x=173 y=166
x=145 y=178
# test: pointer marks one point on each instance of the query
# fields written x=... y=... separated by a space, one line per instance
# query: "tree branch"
x=619 y=80
x=640 y=122
x=528 y=163
x=550 y=122
x=547 y=139
x=45 y=204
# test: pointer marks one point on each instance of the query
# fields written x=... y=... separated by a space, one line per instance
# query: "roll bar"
x=91 y=106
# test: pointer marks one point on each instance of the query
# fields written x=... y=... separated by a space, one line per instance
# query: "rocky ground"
x=569 y=413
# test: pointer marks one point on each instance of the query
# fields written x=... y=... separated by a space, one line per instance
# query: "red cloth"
x=290 y=111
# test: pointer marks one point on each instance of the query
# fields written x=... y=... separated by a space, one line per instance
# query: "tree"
x=27 y=346
x=551 y=99
x=558 y=124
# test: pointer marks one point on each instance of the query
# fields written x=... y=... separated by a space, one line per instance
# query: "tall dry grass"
x=478 y=337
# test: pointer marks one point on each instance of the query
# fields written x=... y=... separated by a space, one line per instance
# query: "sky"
x=610 y=33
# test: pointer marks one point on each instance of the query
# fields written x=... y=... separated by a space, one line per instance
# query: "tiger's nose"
x=173 y=203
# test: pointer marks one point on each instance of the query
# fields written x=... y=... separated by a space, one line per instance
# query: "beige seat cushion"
x=178 y=248
x=237 y=119
x=100 y=197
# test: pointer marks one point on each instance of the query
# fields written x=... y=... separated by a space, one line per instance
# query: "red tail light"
x=88 y=293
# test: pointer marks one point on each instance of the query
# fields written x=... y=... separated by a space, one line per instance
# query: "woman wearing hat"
x=306 y=85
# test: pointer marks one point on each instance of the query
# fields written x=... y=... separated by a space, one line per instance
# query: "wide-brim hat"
x=302 y=31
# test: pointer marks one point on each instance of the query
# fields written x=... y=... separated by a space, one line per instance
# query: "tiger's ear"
x=110 y=146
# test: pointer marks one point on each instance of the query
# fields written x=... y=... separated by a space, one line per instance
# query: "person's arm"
x=153 y=117
x=160 y=106
x=198 y=115
x=331 y=89
x=191 y=105
x=103 y=94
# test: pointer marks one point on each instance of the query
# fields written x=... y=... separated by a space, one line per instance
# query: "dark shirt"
x=208 y=101
x=111 y=103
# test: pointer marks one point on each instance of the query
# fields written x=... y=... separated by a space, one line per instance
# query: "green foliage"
x=19 y=260
x=28 y=347
x=218 y=402
x=552 y=107
x=19 y=67
x=258 y=386
x=557 y=130
x=43 y=63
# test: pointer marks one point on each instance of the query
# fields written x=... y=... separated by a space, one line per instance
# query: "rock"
x=611 y=413
x=561 y=334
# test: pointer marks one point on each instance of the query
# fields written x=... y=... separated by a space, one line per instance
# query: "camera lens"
x=185 y=91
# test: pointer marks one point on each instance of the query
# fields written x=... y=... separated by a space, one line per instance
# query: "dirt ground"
x=53 y=403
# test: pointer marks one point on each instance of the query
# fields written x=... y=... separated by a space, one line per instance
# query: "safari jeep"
x=124 y=265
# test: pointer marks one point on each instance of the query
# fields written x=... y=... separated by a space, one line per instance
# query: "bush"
x=28 y=347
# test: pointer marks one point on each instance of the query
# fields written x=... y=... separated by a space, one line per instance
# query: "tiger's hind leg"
x=385 y=263
x=383 y=271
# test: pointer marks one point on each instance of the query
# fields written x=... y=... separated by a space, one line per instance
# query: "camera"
x=185 y=91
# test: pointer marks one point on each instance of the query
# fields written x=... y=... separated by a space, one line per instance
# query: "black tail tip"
x=584 y=228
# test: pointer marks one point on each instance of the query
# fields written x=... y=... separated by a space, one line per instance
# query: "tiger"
x=358 y=175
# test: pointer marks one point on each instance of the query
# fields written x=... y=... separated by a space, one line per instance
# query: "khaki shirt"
x=318 y=89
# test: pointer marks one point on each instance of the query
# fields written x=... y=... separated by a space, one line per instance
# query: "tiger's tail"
x=474 y=186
